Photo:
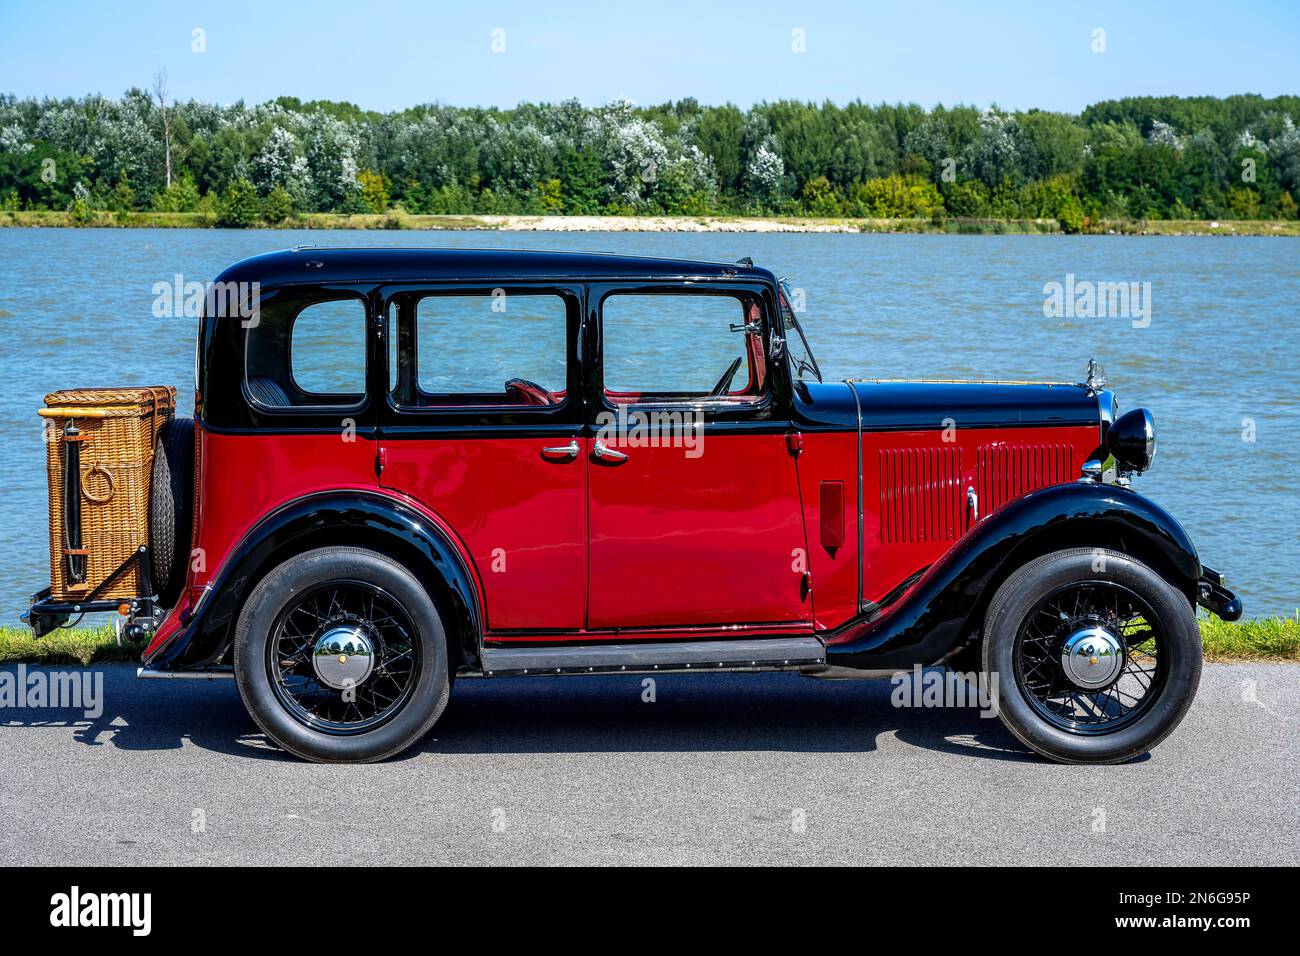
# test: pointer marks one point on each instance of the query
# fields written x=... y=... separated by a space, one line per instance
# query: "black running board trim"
x=765 y=654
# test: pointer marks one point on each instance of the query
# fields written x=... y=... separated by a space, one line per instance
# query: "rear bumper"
x=1215 y=598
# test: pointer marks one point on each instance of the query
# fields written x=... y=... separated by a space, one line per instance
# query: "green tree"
x=374 y=190
x=552 y=197
x=277 y=206
x=819 y=198
x=181 y=196
x=122 y=197
x=238 y=206
x=896 y=197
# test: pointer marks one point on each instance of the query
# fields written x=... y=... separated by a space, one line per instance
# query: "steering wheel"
x=533 y=393
x=724 y=383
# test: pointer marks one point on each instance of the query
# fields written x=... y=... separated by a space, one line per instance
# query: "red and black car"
x=411 y=466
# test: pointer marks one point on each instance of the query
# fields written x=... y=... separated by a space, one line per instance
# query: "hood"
x=904 y=406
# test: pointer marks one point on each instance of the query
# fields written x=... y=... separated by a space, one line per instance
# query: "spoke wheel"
x=1087 y=657
x=313 y=640
x=1095 y=656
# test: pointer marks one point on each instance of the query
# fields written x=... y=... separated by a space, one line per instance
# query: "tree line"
x=1134 y=158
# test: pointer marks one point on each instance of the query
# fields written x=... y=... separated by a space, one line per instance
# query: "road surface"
x=718 y=769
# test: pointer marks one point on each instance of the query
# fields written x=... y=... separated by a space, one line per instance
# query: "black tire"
x=308 y=730
x=1019 y=631
x=171 y=509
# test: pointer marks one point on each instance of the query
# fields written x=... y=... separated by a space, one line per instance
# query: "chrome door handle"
x=568 y=451
x=604 y=452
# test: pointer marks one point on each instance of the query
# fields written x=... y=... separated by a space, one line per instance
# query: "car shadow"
x=702 y=713
x=604 y=714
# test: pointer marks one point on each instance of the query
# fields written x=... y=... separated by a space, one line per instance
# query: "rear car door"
x=694 y=513
x=482 y=425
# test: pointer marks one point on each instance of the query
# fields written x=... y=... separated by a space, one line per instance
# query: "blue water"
x=1217 y=363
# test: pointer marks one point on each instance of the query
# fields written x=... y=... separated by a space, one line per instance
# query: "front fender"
x=947 y=603
x=358 y=518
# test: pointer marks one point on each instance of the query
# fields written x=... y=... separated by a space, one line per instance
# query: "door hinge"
x=805 y=585
x=381 y=459
x=794 y=443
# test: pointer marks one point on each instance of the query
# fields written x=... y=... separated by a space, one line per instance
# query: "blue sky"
x=389 y=55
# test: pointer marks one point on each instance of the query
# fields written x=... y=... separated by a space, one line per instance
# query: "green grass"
x=1260 y=639
x=80 y=645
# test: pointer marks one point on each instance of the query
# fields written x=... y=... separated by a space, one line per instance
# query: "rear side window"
x=497 y=349
x=307 y=351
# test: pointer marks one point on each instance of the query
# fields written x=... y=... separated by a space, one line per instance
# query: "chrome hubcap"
x=1092 y=657
x=343 y=657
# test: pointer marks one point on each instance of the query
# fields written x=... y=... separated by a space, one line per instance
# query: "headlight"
x=1131 y=438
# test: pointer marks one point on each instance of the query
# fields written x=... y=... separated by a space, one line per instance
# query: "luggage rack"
x=46 y=614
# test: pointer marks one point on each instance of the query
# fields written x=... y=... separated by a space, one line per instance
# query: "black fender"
x=358 y=518
x=947 y=603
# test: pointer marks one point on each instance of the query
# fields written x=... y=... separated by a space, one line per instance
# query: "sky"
x=386 y=56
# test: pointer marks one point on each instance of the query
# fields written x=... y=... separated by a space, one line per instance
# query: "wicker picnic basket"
x=99 y=448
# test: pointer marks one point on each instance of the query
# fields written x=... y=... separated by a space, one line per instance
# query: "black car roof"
x=404 y=264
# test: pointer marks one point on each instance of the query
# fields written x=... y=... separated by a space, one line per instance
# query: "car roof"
x=316 y=264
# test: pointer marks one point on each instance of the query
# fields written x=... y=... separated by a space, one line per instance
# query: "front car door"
x=694 y=516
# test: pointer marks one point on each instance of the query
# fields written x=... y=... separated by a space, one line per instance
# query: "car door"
x=694 y=518
x=483 y=426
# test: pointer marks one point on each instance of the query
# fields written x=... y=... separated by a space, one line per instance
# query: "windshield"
x=803 y=365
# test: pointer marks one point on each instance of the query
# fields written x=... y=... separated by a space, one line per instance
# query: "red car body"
x=784 y=523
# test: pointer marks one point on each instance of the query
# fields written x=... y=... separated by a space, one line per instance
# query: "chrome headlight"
x=1131 y=438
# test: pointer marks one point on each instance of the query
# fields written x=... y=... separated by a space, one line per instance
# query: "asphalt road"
x=740 y=769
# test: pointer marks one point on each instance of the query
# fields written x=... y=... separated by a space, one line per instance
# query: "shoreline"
x=657 y=224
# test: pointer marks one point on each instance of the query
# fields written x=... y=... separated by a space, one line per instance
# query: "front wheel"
x=341 y=656
x=1097 y=657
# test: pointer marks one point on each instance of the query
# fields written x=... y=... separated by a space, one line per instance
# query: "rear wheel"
x=1097 y=657
x=341 y=656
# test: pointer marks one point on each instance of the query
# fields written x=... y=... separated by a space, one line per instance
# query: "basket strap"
x=74 y=554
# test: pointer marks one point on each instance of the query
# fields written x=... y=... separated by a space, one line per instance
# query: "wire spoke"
x=386 y=627
x=1049 y=683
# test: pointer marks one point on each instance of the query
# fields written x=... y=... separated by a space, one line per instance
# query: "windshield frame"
x=788 y=310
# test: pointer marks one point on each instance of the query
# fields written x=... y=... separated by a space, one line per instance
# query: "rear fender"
x=947 y=603
x=356 y=518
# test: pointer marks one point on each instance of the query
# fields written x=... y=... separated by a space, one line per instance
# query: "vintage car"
x=408 y=466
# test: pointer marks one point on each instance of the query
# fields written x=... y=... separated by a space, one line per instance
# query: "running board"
x=740 y=655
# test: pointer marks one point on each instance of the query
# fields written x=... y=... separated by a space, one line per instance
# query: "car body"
x=623 y=516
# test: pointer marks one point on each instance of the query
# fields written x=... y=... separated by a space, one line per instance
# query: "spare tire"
x=171 y=508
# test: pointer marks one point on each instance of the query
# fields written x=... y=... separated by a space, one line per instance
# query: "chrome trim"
x=343 y=657
x=1092 y=657
x=153 y=673
x=1096 y=378
x=570 y=450
x=857 y=404
x=601 y=450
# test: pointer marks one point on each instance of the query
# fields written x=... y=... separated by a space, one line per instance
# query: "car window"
x=304 y=350
x=502 y=348
x=328 y=348
x=666 y=347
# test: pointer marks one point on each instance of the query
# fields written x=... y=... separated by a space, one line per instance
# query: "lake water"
x=1217 y=363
